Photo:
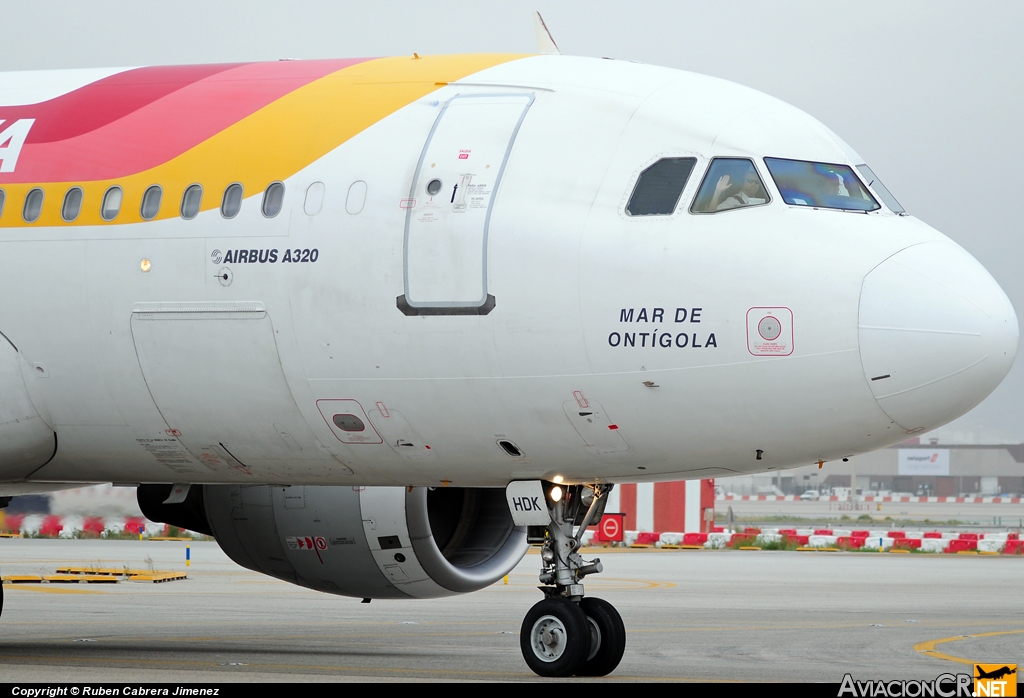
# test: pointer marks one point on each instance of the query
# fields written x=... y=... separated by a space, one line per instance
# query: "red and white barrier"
x=69 y=526
x=761 y=498
x=932 y=500
x=1008 y=543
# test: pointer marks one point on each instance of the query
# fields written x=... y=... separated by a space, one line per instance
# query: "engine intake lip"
x=493 y=536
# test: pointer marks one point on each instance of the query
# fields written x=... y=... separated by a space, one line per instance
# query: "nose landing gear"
x=566 y=634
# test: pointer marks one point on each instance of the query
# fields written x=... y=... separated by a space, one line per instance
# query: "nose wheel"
x=562 y=638
x=608 y=637
x=555 y=637
x=567 y=634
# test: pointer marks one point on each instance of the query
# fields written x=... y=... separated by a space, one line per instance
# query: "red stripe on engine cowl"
x=161 y=129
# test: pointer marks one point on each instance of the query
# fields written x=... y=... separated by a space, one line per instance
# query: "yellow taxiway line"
x=929 y=646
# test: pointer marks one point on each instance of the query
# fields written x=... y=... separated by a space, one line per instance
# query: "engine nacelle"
x=370 y=542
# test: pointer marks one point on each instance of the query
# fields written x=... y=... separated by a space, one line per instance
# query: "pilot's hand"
x=722 y=185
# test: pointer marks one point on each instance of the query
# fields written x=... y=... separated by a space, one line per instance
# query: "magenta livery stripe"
x=142 y=118
x=99 y=103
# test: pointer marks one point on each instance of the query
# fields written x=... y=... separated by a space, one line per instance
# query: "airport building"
x=914 y=468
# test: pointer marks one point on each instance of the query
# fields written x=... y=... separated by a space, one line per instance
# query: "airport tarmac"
x=690 y=616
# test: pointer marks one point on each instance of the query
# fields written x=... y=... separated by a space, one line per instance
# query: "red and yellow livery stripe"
x=251 y=123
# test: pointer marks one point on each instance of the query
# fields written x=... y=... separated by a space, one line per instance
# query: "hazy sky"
x=930 y=93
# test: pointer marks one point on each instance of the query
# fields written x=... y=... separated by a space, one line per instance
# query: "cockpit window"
x=730 y=183
x=659 y=187
x=875 y=185
x=820 y=184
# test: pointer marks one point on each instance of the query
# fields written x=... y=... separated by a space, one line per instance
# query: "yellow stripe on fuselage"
x=269 y=145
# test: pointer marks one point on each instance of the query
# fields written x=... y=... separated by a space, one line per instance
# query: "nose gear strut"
x=566 y=634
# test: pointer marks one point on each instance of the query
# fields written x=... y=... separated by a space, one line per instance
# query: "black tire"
x=555 y=637
x=612 y=634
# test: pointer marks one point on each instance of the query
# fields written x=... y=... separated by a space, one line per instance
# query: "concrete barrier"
x=717 y=540
x=933 y=545
x=958 y=545
x=671 y=538
x=647 y=538
x=991 y=545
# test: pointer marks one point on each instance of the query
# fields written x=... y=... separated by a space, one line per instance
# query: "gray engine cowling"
x=372 y=542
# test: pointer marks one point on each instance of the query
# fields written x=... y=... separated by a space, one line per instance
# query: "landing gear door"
x=449 y=207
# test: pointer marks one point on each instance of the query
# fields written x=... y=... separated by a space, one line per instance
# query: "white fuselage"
x=618 y=347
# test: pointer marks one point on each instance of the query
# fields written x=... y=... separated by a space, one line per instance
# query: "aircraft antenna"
x=545 y=43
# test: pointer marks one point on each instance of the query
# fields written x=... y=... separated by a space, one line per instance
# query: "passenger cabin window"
x=111 y=203
x=273 y=200
x=820 y=184
x=875 y=185
x=659 y=187
x=190 y=201
x=72 y=205
x=231 y=204
x=33 y=206
x=314 y=198
x=151 y=203
x=3 y=197
x=356 y=198
x=730 y=183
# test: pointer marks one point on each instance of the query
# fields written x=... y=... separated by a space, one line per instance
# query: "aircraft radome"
x=345 y=303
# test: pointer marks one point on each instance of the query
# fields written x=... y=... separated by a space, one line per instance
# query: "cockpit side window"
x=730 y=183
x=659 y=187
x=875 y=185
x=820 y=184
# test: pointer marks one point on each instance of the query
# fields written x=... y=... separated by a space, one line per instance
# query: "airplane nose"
x=937 y=334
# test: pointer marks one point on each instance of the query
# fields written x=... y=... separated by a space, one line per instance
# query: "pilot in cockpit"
x=750 y=192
